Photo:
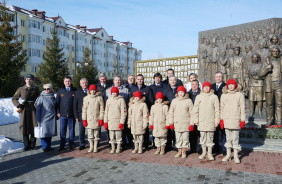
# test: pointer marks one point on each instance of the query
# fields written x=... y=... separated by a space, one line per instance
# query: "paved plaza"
x=82 y=167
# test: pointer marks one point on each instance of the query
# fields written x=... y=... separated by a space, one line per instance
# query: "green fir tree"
x=54 y=67
x=89 y=70
x=12 y=56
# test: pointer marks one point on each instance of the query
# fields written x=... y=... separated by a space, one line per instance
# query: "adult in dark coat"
x=170 y=72
x=158 y=85
x=193 y=136
x=28 y=94
x=64 y=101
x=219 y=134
x=77 y=110
x=46 y=116
x=149 y=100
x=102 y=86
x=169 y=94
x=130 y=83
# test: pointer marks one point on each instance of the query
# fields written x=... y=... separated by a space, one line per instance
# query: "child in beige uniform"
x=159 y=123
x=233 y=116
x=115 y=115
x=138 y=118
x=92 y=116
x=180 y=115
x=206 y=116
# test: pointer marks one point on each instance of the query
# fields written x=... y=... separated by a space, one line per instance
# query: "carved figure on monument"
x=223 y=65
x=213 y=58
x=202 y=53
x=229 y=50
x=237 y=67
x=207 y=60
x=272 y=71
x=255 y=43
x=264 y=39
x=263 y=51
x=222 y=44
x=248 y=40
x=254 y=84
x=248 y=55
x=274 y=42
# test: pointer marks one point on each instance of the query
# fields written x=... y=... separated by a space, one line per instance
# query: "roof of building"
x=95 y=29
x=55 y=18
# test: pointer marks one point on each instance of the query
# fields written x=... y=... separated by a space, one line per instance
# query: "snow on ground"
x=8 y=112
x=7 y=146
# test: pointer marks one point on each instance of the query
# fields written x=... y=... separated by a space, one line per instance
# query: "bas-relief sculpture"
x=251 y=54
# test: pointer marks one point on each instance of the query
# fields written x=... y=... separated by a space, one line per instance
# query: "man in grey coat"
x=46 y=116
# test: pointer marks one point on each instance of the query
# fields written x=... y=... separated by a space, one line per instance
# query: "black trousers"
x=29 y=140
x=127 y=138
x=146 y=138
x=170 y=139
x=217 y=135
x=193 y=139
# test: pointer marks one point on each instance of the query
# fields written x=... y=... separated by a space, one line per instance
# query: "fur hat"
x=28 y=76
x=206 y=83
x=115 y=90
x=137 y=94
x=231 y=81
x=91 y=87
x=159 y=95
x=181 y=88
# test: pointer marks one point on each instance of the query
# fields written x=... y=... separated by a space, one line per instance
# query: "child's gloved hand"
x=171 y=127
x=151 y=127
x=166 y=127
x=106 y=126
x=85 y=123
x=101 y=122
x=221 y=124
x=120 y=126
x=242 y=124
x=191 y=128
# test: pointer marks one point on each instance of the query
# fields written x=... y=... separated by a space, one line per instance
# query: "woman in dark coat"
x=46 y=116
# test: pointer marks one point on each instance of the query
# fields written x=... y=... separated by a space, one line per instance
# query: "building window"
x=33 y=69
x=102 y=34
x=72 y=37
x=44 y=42
x=43 y=28
x=22 y=23
x=23 y=38
x=23 y=69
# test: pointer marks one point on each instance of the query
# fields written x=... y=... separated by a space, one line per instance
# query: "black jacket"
x=129 y=87
x=146 y=92
x=64 y=101
x=77 y=103
x=218 y=93
x=169 y=93
x=103 y=90
x=192 y=96
x=178 y=82
x=159 y=88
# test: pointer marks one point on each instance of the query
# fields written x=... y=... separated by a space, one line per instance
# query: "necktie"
x=217 y=87
x=85 y=91
x=173 y=90
x=139 y=87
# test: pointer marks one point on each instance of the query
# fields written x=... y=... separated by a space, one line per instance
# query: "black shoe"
x=224 y=153
x=71 y=147
x=154 y=147
x=81 y=148
x=192 y=151
x=50 y=149
x=200 y=152
x=61 y=148
x=45 y=150
x=33 y=148
x=26 y=148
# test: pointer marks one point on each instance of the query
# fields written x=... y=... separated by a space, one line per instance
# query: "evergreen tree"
x=12 y=56
x=54 y=67
x=89 y=71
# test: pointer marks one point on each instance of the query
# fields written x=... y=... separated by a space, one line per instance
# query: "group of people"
x=177 y=114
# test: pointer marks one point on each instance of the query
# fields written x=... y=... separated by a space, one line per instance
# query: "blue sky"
x=160 y=28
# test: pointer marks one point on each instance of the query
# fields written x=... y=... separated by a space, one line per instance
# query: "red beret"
x=231 y=81
x=115 y=90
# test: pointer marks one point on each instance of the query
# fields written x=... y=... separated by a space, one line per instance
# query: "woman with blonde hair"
x=191 y=77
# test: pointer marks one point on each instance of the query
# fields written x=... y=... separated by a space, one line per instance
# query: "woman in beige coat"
x=158 y=122
x=92 y=116
x=180 y=115
x=233 y=117
x=206 y=116
x=138 y=118
x=115 y=115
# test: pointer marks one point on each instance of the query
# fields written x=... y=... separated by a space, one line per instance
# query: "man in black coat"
x=217 y=87
x=169 y=93
x=148 y=94
x=102 y=86
x=193 y=136
x=170 y=72
x=77 y=109
x=64 y=102
x=158 y=85
x=130 y=83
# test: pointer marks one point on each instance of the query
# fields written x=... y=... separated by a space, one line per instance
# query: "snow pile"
x=7 y=146
x=8 y=112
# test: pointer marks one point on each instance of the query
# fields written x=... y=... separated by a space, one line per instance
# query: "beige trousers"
x=160 y=141
x=115 y=136
x=182 y=139
x=232 y=139
x=206 y=138
x=138 y=139
x=93 y=134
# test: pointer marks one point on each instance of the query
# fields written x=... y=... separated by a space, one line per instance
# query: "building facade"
x=110 y=56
